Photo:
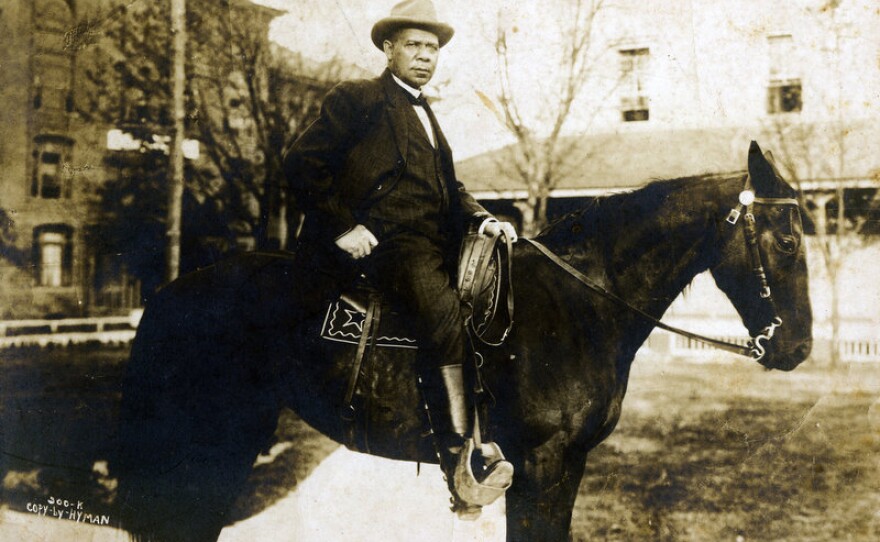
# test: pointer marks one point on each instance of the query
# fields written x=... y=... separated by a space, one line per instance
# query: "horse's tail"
x=192 y=419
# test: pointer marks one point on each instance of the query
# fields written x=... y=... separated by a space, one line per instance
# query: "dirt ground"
x=708 y=451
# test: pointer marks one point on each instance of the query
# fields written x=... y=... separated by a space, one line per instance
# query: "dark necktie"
x=422 y=102
x=416 y=100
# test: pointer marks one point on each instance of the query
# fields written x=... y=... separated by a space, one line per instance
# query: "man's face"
x=412 y=55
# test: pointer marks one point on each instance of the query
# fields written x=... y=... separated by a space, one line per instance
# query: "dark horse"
x=219 y=353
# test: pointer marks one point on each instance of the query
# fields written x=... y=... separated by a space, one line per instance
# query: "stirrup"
x=465 y=511
x=492 y=484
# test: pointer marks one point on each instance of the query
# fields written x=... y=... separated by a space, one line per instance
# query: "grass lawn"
x=733 y=452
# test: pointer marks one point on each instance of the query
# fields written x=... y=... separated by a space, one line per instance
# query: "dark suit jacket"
x=354 y=154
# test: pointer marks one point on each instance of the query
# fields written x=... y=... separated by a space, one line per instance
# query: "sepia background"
x=546 y=105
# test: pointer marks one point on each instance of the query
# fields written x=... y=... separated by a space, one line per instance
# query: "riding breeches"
x=411 y=271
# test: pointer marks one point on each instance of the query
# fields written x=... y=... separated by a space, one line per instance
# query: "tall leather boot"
x=449 y=408
x=483 y=479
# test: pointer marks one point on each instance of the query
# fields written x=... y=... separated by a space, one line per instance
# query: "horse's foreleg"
x=541 y=499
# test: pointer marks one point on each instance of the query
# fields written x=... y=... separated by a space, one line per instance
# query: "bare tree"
x=245 y=98
x=253 y=97
x=538 y=157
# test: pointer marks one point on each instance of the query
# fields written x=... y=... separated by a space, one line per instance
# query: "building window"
x=53 y=255
x=49 y=180
x=784 y=90
x=784 y=96
x=633 y=70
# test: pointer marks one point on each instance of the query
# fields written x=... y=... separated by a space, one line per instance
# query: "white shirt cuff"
x=485 y=223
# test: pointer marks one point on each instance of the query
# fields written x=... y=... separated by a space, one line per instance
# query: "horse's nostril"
x=794 y=357
x=803 y=350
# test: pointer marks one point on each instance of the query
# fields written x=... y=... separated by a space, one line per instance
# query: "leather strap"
x=369 y=331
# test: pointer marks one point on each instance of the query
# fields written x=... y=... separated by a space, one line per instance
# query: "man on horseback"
x=375 y=176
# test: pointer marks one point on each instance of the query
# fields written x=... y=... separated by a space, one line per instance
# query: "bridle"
x=747 y=201
x=756 y=348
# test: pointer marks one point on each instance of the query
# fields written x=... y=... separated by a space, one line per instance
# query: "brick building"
x=41 y=167
x=52 y=162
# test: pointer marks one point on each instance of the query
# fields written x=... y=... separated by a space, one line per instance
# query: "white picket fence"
x=864 y=350
x=69 y=331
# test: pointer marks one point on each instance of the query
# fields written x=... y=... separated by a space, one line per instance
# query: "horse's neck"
x=651 y=268
x=647 y=246
x=652 y=261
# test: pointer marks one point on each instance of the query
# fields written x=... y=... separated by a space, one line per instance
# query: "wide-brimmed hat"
x=411 y=14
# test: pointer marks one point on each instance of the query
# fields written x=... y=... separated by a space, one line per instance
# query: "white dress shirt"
x=420 y=111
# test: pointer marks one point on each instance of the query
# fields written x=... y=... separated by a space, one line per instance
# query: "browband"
x=777 y=201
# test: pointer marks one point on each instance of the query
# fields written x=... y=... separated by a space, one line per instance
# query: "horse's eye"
x=787 y=244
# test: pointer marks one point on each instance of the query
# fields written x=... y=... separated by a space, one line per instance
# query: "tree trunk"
x=541 y=214
x=830 y=258
x=528 y=209
x=834 y=272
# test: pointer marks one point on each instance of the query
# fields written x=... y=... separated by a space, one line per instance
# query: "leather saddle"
x=483 y=283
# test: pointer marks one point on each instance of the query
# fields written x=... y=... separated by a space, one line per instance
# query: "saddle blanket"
x=344 y=323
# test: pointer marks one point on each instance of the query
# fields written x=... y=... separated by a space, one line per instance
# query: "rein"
x=583 y=279
x=756 y=348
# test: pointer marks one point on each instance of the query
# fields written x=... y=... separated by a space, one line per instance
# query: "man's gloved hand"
x=494 y=228
x=357 y=242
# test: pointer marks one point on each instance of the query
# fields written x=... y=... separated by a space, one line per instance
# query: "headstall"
x=747 y=200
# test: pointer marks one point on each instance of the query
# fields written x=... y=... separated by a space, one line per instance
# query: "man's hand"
x=358 y=242
x=495 y=228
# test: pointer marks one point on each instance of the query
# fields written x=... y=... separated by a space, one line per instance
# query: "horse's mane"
x=608 y=213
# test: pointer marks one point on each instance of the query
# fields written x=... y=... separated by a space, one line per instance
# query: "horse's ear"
x=761 y=170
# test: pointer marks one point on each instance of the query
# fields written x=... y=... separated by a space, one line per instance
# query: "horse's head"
x=762 y=266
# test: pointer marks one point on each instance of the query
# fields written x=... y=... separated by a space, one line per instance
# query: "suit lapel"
x=396 y=112
x=397 y=105
x=442 y=144
x=444 y=149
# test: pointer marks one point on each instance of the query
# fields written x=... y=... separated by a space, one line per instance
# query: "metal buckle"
x=733 y=216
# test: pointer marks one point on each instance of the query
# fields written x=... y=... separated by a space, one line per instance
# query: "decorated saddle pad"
x=344 y=322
